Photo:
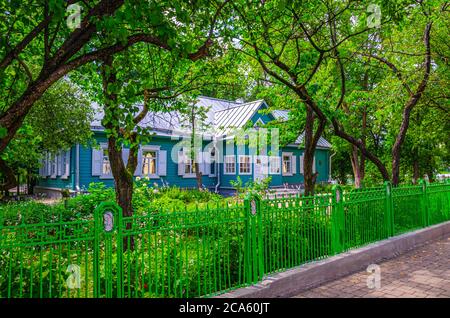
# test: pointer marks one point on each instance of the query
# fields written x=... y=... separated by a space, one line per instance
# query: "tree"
x=413 y=99
x=299 y=45
x=143 y=79
x=39 y=48
x=60 y=118
x=280 y=36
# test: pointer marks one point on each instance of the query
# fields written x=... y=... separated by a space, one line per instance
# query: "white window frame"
x=233 y=157
x=283 y=155
x=301 y=171
x=188 y=161
x=105 y=175
x=191 y=163
x=276 y=165
x=156 y=151
x=240 y=161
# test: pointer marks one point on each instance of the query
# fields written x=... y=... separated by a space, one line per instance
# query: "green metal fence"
x=294 y=231
x=204 y=252
x=363 y=216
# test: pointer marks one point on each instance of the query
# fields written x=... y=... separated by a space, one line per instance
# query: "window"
x=274 y=165
x=149 y=163
x=287 y=164
x=189 y=166
x=245 y=165
x=106 y=166
x=186 y=164
x=230 y=165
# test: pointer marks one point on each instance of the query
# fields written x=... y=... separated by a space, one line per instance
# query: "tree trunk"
x=123 y=180
x=123 y=175
x=29 y=183
x=311 y=138
x=357 y=174
x=9 y=177
x=198 y=176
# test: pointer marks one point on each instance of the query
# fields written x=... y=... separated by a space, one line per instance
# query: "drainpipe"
x=77 y=168
x=217 y=168
x=329 y=168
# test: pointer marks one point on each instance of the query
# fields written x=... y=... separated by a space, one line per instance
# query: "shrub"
x=257 y=187
x=147 y=198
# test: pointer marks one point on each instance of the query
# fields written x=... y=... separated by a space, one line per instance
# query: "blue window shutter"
x=162 y=163
x=294 y=164
x=301 y=164
x=138 y=171
x=97 y=160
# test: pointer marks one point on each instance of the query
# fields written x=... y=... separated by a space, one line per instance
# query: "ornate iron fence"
x=208 y=251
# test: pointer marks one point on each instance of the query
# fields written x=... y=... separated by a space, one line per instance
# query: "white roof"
x=281 y=114
x=222 y=116
x=235 y=117
x=322 y=143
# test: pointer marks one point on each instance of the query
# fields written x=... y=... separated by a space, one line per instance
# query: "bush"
x=147 y=198
x=257 y=187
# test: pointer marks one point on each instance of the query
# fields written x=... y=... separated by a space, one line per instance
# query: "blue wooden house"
x=165 y=162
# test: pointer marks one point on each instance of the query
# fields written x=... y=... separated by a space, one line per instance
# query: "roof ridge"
x=240 y=105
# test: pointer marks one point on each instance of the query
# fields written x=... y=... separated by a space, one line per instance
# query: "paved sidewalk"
x=423 y=272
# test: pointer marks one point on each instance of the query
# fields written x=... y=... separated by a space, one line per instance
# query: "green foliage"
x=147 y=199
x=60 y=119
x=251 y=186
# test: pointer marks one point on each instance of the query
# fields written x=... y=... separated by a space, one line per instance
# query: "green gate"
x=108 y=247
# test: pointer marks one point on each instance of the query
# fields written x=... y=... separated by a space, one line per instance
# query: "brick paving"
x=421 y=273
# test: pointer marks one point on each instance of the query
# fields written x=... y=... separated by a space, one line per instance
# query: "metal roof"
x=281 y=114
x=225 y=121
x=322 y=143
x=222 y=117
